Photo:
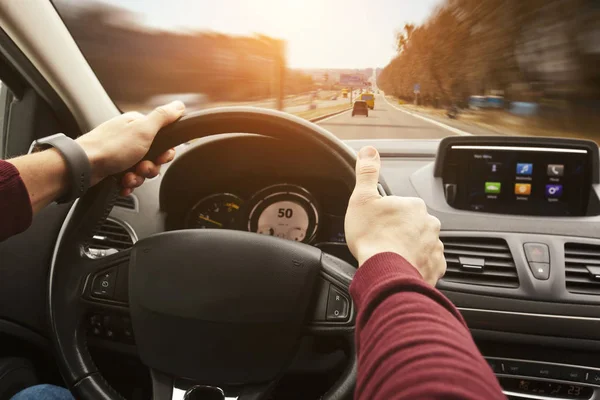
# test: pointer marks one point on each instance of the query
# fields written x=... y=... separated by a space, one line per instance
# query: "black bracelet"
x=78 y=164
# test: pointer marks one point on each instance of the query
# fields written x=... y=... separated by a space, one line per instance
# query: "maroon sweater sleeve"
x=412 y=342
x=15 y=207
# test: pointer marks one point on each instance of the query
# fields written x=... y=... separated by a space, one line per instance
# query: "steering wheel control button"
x=338 y=305
x=537 y=252
x=540 y=270
x=104 y=284
x=114 y=327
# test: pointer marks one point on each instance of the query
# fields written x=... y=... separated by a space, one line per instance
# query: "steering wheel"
x=210 y=309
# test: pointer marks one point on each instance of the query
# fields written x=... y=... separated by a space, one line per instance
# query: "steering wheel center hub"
x=235 y=298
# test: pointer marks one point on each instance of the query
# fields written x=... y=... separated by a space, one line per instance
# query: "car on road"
x=369 y=98
x=360 y=107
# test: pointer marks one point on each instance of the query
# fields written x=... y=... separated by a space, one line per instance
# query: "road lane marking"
x=333 y=116
x=441 y=125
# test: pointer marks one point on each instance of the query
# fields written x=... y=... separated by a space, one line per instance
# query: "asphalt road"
x=384 y=122
x=321 y=104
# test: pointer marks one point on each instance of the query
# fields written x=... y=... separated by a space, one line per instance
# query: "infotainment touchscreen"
x=518 y=179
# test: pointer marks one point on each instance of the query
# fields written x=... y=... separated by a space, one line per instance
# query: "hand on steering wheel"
x=120 y=143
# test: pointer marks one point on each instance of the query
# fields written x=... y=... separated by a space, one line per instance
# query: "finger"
x=147 y=169
x=165 y=157
x=126 y=192
x=368 y=165
x=164 y=115
x=130 y=180
x=139 y=182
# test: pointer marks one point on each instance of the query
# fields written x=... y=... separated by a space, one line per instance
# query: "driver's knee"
x=44 y=392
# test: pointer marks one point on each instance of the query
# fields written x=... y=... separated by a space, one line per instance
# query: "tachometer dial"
x=284 y=211
x=218 y=211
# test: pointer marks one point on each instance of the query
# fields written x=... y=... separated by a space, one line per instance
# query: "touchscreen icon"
x=554 y=191
x=556 y=170
x=523 y=189
x=524 y=169
x=492 y=187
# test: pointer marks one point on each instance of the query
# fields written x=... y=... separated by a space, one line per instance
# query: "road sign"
x=352 y=80
x=417 y=88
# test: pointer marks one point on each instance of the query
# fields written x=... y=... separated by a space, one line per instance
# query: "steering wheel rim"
x=71 y=271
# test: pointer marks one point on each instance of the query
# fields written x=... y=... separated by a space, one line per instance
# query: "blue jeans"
x=44 y=392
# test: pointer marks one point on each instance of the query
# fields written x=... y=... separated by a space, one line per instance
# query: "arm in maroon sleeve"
x=15 y=207
x=412 y=342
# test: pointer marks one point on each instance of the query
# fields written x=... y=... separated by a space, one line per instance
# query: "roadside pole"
x=417 y=91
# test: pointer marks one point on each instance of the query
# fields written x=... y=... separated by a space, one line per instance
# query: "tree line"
x=544 y=51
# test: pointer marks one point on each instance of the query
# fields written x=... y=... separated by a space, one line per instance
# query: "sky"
x=319 y=33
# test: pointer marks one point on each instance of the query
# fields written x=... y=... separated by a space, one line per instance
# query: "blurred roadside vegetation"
x=135 y=62
x=545 y=52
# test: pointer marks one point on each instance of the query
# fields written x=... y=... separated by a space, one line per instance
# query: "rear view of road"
x=384 y=122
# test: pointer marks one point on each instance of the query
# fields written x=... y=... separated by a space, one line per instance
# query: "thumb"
x=164 y=115
x=368 y=165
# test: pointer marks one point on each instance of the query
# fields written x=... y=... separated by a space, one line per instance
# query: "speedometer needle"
x=220 y=225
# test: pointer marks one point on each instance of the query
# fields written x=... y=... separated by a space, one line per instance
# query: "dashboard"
x=532 y=326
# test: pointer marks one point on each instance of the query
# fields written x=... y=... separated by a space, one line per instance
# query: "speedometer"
x=214 y=212
x=285 y=211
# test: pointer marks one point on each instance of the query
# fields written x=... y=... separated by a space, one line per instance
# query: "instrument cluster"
x=287 y=211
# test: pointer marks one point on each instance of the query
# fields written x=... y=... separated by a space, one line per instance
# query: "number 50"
x=285 y=212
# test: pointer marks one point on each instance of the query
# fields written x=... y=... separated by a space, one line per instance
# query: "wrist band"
x=76 y=159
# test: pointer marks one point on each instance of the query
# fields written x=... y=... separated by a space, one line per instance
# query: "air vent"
x=125 y=202
x=582 y=268
x=479 y=261
x=111 y=238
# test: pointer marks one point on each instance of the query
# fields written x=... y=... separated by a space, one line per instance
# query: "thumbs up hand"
x=402 y=225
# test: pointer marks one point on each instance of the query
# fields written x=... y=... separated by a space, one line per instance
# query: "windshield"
x=463 y=66
x=367 y=97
